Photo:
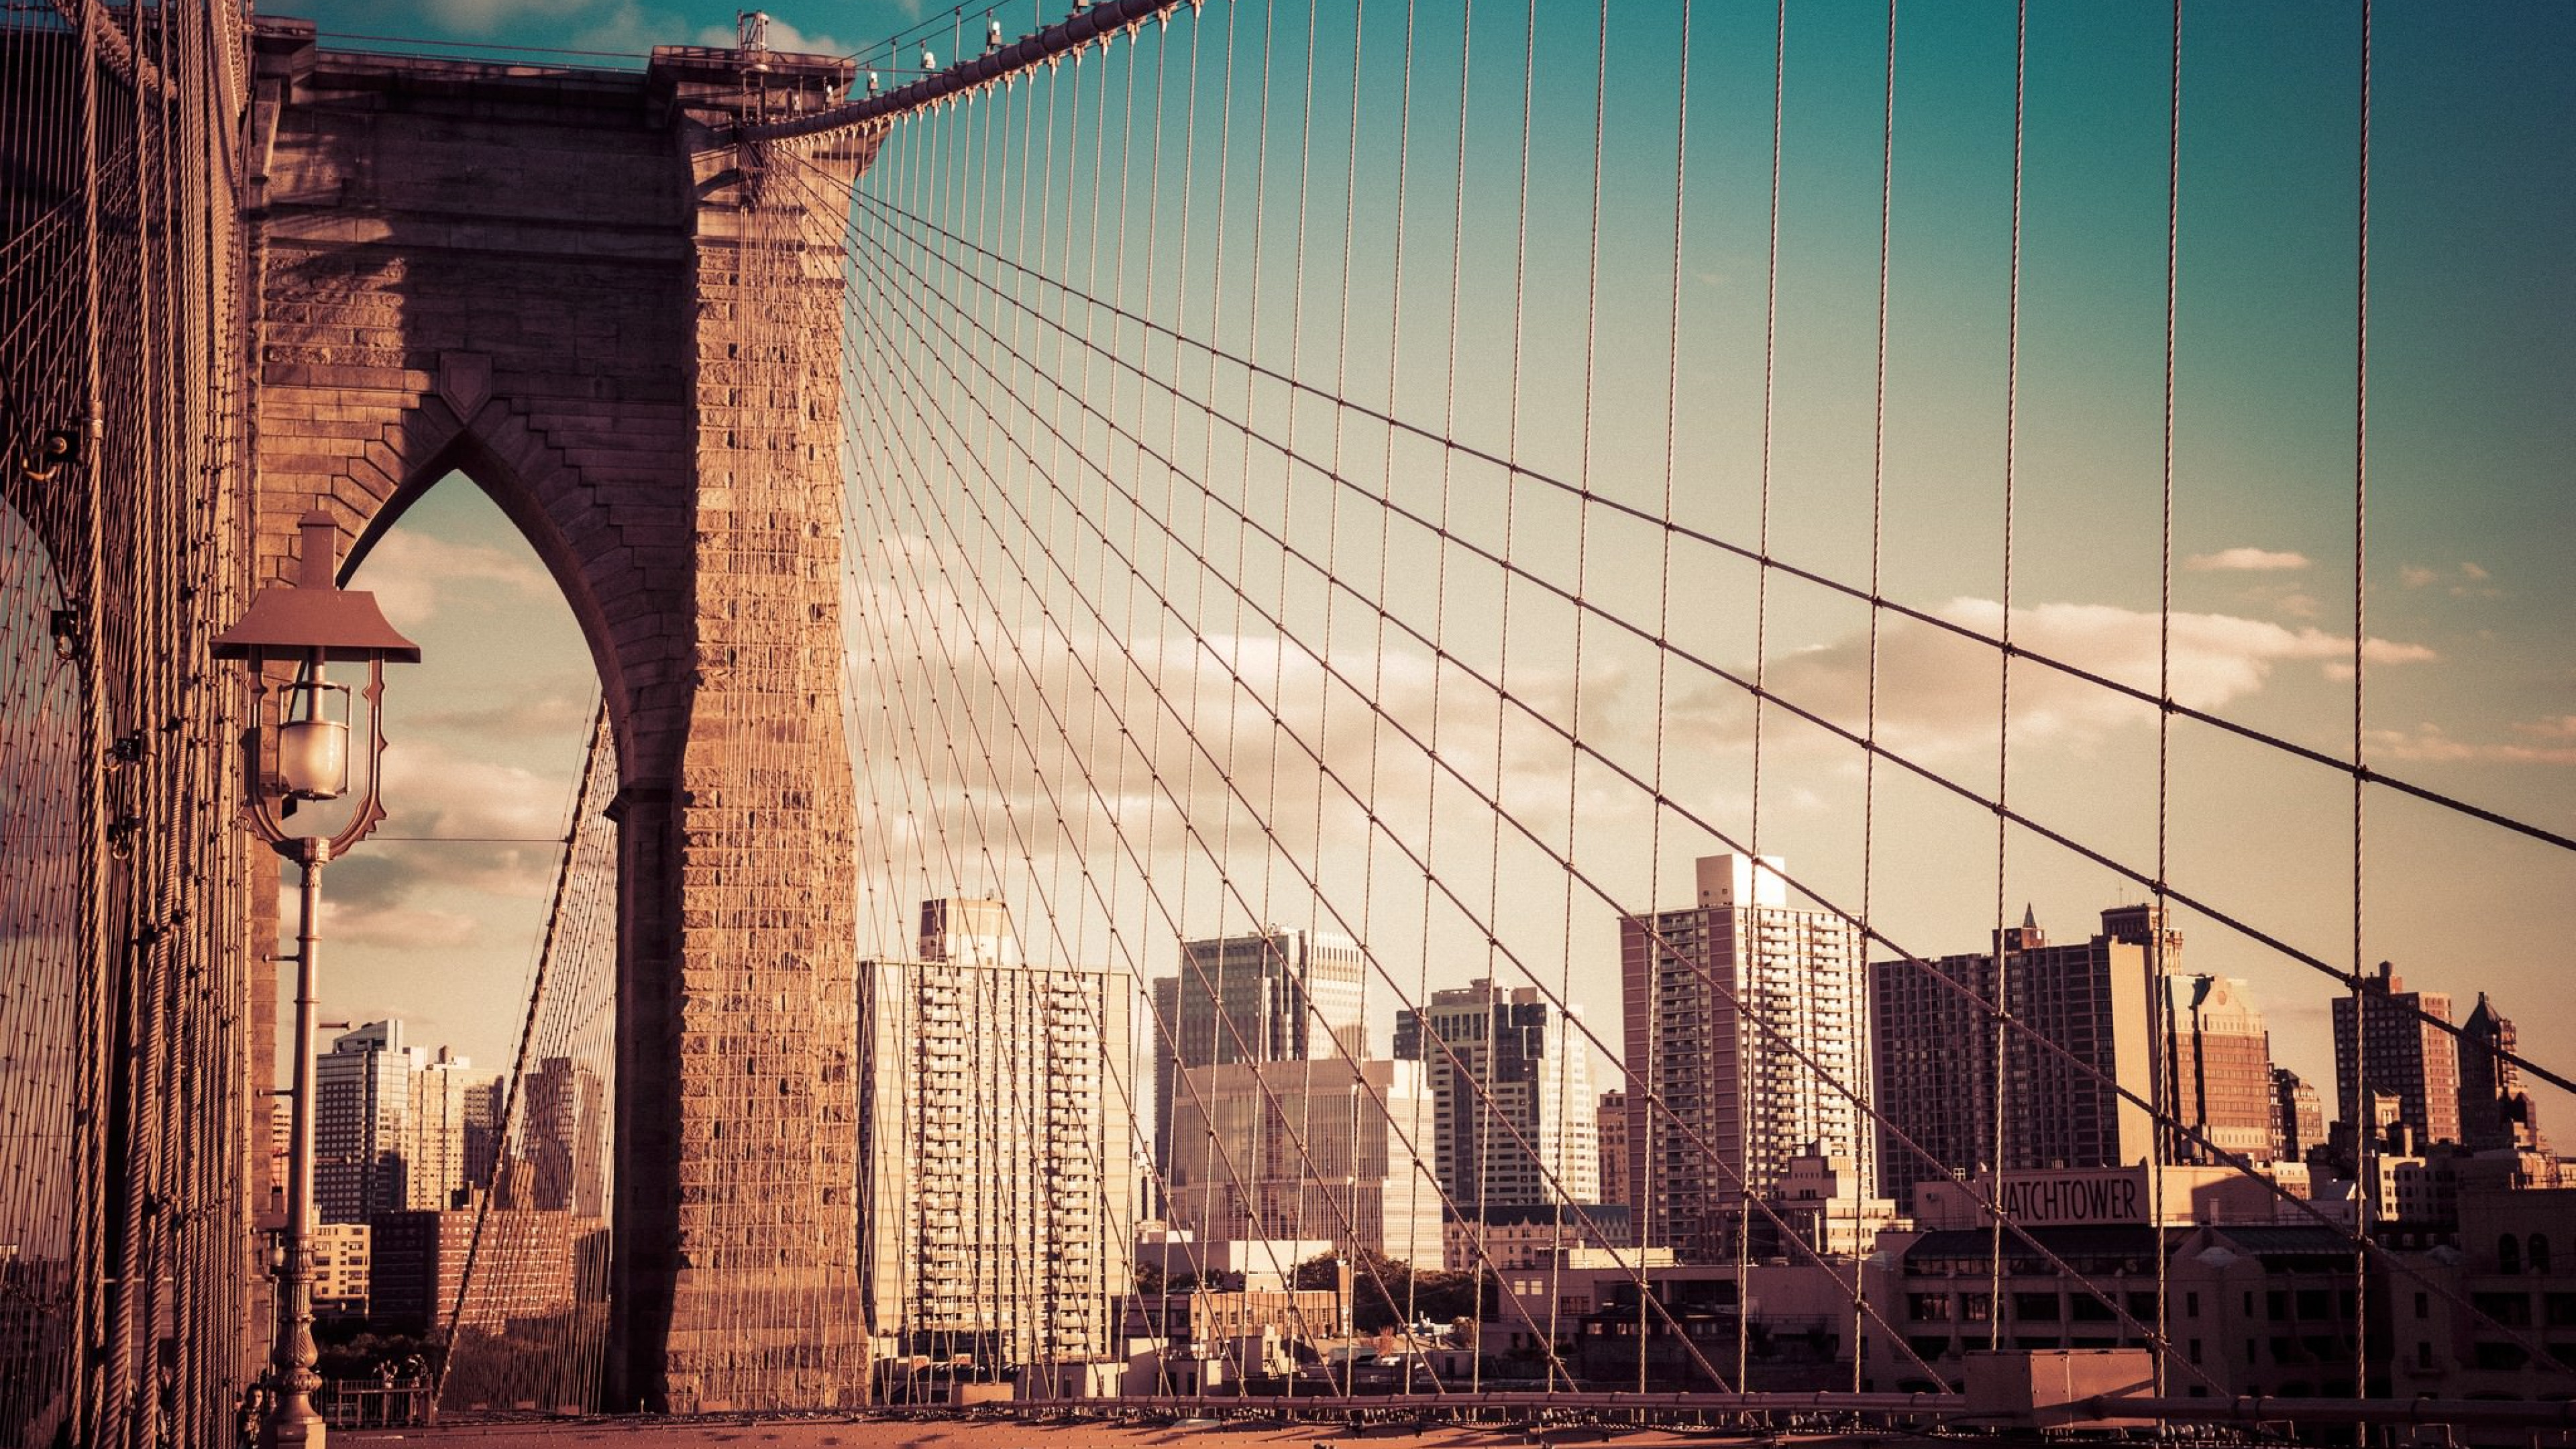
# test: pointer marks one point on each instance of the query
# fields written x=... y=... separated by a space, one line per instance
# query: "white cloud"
x=411 y=574
x=2476 y=585
x=435 y=792
x=980 y=740
x=2430 y=742
x=626 y=28
x=2245 y=560
x=2474 y=580
x=517 y=719
x=485 y=827
x=1937 y=691
x=959 y=772
x=405 y=927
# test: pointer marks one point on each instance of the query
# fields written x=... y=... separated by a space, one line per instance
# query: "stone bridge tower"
x=574 y=288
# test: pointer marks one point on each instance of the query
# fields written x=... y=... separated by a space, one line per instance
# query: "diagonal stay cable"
x=1195 y=740
x=1171 y=920
x=578 y=813
x=1461 y=905
x=984 y=749
x=1345 y=1051
x=2238 y=1161
x=1755 y=555
x=1468 y=912
x=1862 y=741
x=1981 y=801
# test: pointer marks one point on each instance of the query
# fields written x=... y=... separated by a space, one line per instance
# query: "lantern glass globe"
x=313 y=758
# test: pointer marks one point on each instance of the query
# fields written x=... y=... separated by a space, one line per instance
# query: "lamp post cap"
x=314 y=612
x=344 y=624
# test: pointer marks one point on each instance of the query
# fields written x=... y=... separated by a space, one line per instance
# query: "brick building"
x=2086 y=1005
x=2218 y=1071
x=524 y=1267
x=2384 y=1044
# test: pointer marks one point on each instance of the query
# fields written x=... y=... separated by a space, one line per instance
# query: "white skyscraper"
x=1511 y=1080
x=447 y=1099
x=389 y=1124
x=1747 y=1038
x=1307 y=1150
x=996 y=1145
x=565 y=1136
x=1279 y=994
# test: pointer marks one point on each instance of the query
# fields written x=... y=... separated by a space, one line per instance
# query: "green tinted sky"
x=2471 y=441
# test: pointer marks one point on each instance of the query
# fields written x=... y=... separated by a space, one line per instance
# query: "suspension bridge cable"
x=2231 y=1158
x=1914 y=614
x=1981 y=801
x=1456 y=1066
x=1235 y=1030
x=1448 y=892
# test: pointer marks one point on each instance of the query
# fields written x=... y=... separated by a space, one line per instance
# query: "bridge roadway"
x=922 y=1432
x=1513 y=1419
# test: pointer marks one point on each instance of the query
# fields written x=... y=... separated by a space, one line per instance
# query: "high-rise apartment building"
x=2383 y=1043
x=486 y=1109
x=389 y=1124
x=361 y=1116
x=1275 y=995
x=564 y=1106
x=1511 y=1087
x=2218 y=1072
x=2495 y=1111
x=996 y=1145
x=2083 y=1029
x=448 y=1094
x=2298 y=1116
x=1612 y=1119
x=1747 y=1026
x=1314 y=1149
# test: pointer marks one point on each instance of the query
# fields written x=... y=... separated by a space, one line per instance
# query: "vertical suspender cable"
x=1636 y=1144
x=2164 y=677
x=1869 y=706
x=2007 y=958
x=1484 y=1049
x=1574 y=711
x=2360 y=1114
x=1747 y=955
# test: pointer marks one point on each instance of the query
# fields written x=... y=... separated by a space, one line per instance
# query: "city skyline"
x=1070 y=704
x=403 y=1126
x=2468 y=693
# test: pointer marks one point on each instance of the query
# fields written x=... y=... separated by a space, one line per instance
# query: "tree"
x=1388 y=1293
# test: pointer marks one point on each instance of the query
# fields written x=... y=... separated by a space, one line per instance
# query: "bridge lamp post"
x=296 y=756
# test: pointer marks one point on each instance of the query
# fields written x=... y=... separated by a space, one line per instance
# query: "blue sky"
x=2472 y=442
